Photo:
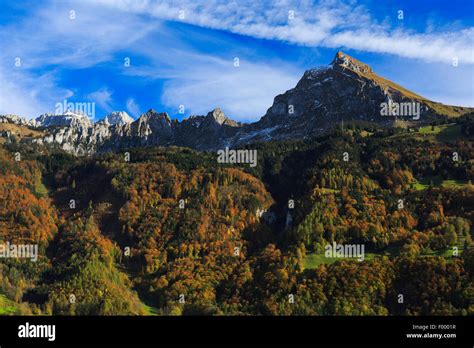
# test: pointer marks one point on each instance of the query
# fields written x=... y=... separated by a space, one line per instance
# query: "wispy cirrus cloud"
x=29 y=94
x=174 y=63
x=103 y=98
x=47 y=42
x=133 y=108
x=329 y=24
x=243 y=92
x=52 y=39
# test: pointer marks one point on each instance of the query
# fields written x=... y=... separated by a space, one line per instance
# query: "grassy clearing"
x=454 y=184
x=420 y=187
x=444 y=133
x=441 y=133
x=149 y=310
x=7 y=307
x=432 y=130
x=313 y=260
x=436 y=181
x=449 y=251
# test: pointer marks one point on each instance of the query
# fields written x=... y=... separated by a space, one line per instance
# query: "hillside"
x=173 y=232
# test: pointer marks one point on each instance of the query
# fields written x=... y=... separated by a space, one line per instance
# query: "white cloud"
x=14 y=100
x=47 y=40
x=103 y=98
x=51 y=38
x=133 y=108
x=429 y=47
x=27 y=94
x=243 y=92
x=327 y=24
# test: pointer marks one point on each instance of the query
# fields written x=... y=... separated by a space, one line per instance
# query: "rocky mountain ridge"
x=345 y=90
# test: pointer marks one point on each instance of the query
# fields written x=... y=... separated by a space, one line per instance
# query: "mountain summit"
x=218 y=116
x=343 y=61
x=118 y=118
x=345 y=90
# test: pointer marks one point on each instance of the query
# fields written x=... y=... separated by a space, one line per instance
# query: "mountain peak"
x=155 y=120
x=68 y=119
x=217 y=115
x=9 y=118
x=118 y=118
x=346 y=89
x=344 y=61
x=153 y=114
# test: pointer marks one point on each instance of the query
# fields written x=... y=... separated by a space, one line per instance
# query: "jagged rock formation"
x=76 y=134
x=68 y=119
x=13 y=119
x=153 y=128
x=347 y=89
x=117 y=118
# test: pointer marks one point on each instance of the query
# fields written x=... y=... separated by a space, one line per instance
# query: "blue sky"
x=182 y=52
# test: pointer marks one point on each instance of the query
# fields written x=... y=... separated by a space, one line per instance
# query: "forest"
x=170 y=231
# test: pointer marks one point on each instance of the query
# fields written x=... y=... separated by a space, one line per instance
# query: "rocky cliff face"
x=153 y=128
x=346 y=89
x=78 y=135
